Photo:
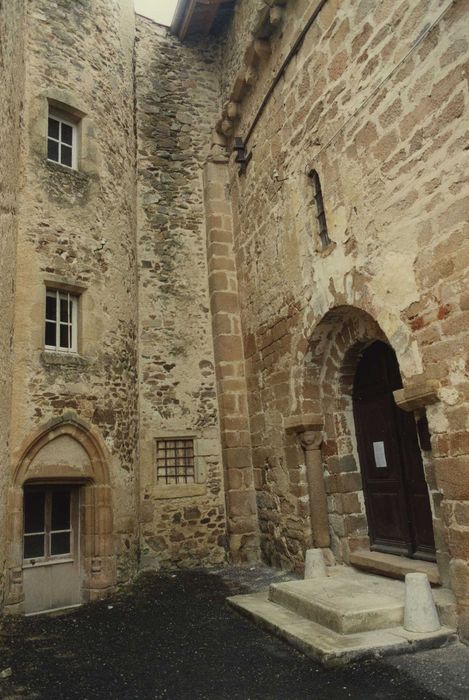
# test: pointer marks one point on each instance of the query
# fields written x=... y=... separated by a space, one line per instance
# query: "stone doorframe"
x=324 y=388
x=96 y=514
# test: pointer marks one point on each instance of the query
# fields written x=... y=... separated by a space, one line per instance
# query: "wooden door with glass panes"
x=51 y=556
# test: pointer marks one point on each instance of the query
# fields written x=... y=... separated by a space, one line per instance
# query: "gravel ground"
x=172 y=636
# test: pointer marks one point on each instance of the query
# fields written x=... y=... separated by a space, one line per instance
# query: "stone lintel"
x=416 y=396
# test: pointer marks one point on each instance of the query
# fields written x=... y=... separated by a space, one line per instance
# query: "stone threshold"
x=394 y=566
x=345 y=616
x=327 y=646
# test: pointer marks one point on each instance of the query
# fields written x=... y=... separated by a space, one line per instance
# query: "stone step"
x=353 y=603
x=394 y=566
x=328 y=647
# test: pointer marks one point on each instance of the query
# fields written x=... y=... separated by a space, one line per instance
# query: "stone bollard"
x=315 y=566
x=420 y=613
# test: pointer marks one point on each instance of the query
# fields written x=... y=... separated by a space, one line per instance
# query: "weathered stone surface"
x=210 y=306
x=177 y=98
x=12 y=86
x=388 y=147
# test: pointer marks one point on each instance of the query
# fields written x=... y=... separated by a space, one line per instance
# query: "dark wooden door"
x=396 y=494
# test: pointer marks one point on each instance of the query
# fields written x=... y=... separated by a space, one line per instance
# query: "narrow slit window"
x=175 y=463
x=61 y=327
x=62 y=140
x=320 y=213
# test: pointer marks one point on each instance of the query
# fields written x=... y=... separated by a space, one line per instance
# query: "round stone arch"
x=66 y=451
x=334 y=351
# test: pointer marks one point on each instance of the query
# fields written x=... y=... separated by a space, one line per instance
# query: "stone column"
x=14 y=594
x=242 y=522
x=311 y=442
x=308 y=429
x=98 y=538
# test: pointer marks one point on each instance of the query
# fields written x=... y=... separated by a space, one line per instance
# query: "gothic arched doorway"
x=60 y=530
x=396 y=493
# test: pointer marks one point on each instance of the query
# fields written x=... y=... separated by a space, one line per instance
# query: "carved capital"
x=310 y=440
x=96 y=566
x=226 y=127
x=276 y=15
x=303 y=422
x=262 y=48
x=251 y=76
x=232 y=109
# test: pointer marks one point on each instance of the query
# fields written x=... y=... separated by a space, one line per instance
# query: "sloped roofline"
x=195 y=17
x=179 y=14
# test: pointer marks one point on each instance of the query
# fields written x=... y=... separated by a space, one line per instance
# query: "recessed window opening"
x=320 y=213
x=47 y=524
x=175 y=463
x=62 y=139
x=61 y=321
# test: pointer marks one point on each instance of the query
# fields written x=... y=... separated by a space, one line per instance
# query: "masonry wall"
x=78 y=228
x=12 y=91
x=177 y=102
x=376 y=100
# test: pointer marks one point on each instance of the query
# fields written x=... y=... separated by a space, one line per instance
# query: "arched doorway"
x=60 y=532
x=395 y=490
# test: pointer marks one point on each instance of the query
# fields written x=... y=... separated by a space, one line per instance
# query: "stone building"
x=233 y=290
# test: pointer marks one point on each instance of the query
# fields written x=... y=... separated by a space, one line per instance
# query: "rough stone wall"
x=12 y=91
x=177 y=102
x=79 y=228
x=376 y=101
x=237 y=38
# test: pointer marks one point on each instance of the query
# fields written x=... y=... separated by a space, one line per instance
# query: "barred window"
x=320 y=213
x=175 y=463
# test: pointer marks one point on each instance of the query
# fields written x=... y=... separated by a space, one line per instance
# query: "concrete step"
x=327 y=646
x=354 y=602
x=394 y=566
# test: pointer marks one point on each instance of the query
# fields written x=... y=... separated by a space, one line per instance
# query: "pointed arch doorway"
x=60 y=520
x=396 y=494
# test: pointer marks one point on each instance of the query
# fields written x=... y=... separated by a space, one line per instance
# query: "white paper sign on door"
x=380 y=455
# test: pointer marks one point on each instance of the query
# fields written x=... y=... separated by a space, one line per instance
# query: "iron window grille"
x=62 y=140
x=61 y=321
x=175 y=461
x=320 y=213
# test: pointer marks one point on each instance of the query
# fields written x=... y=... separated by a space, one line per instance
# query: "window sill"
x=51 y=358
x=179 y=491
x=65 y=170
x=47 y=562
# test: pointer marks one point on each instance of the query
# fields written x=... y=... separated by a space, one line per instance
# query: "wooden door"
x=51 y=556
x=396 y=494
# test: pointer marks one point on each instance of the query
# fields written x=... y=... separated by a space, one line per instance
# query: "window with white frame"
x=49 y=515
x=61 y=321
x=62 y=139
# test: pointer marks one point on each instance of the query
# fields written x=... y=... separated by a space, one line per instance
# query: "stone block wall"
x=375 y=99
x=177 y=101
x=230 y=367
x=12 y=78
x=78 y=229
